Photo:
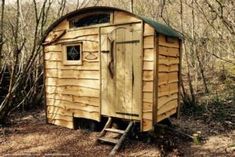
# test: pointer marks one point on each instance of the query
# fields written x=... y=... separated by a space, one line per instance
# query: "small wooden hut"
x=103 y=61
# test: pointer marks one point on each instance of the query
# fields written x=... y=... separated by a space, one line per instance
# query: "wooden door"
x=121 y=71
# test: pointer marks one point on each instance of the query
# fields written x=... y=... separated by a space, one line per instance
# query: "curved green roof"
x=159 y=28
x=162 y=29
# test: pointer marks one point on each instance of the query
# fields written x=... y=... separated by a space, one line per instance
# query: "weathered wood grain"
x=168 y=77
x=70 y=106
x=165 y=78
x=167 y=89
x=148 y=86
x=167 y=107
x=147 y=125
x=148 y=30
x=165 y=115
x=56 y=116
x=111 y=29
x=73 y=90
x=149 y=54
x=147 y=106
x=162 y=42
x=87 y=100
x=59 y=111
x=168 y=60
x=148 y=65
x=147 y=75
x=148 y=97
x=148 y=115
x=148 y=42
x=87 y=115
x=78 y=33
x=67 y=124
x=122 y=17
x=165 y=99
x=168 y=68
x=86 y=82
x=52 y=48
x=137 y=74
x=64 y=25
x=169 y=51
x=73 y=74
x=85 y=66
x=53 y=56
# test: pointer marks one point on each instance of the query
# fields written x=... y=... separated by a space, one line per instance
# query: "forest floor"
x=29 y=135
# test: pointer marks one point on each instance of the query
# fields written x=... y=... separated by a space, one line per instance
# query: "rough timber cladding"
x=145 y=57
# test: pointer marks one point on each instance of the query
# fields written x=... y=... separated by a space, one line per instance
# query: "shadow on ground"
x=30 y=135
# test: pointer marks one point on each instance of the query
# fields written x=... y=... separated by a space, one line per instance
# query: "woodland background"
x=208 y=28
x=207 y=87
x=208 y=66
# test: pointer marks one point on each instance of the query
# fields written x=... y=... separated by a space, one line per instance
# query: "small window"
x=73 y=54
x=91 y=20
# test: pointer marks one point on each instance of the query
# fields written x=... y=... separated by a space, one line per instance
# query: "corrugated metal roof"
x=160 y=28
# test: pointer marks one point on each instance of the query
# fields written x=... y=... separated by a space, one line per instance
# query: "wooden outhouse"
x=103 y=61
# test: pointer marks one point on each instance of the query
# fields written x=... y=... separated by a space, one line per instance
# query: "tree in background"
x=208 y=27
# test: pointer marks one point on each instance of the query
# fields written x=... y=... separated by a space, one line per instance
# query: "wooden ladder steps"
x=116 y=141
x=108 y=140
x=115 y=130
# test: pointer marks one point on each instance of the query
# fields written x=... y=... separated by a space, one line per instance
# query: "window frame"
x=72 y=62
x=72 y=27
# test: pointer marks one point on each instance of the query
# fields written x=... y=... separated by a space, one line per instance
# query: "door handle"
x=111 y=63
x=111 y=67
x=105 y=51
x=133 y=76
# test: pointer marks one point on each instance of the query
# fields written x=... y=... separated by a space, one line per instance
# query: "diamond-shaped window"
x=73 y=52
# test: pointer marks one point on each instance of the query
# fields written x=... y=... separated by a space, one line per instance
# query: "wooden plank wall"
x=123 y=17
x=147 y=73
x=168 y=72
x=73 y=90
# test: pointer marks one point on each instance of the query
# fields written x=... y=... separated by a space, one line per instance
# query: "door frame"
x=139 y=116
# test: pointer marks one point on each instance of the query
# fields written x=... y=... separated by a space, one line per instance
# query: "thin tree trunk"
x=21 y=80
x=202 y=73
x=6 y=104
x=131 y=6
x=1 y=30
x=186 y=97
x=193 y=51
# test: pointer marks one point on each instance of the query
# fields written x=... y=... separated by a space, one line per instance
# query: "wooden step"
x=116 y=142
x=108 y=140
x=107 y=125
x=115 y=130
x=120 y=141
